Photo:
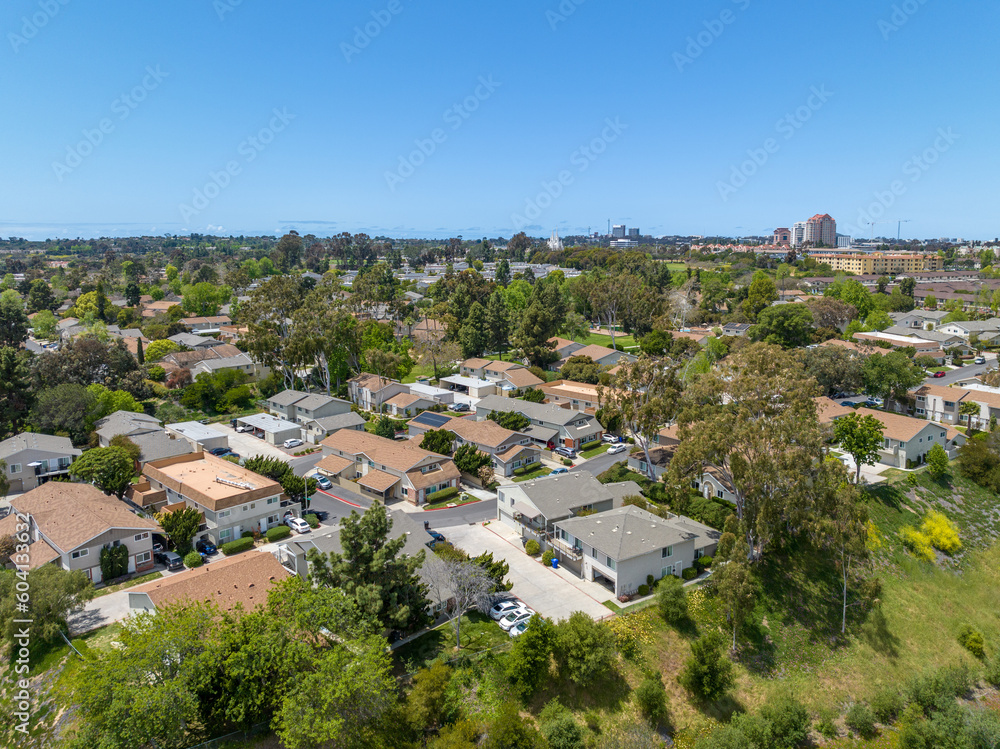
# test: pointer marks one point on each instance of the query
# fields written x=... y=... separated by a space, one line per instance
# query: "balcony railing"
x=565 y=549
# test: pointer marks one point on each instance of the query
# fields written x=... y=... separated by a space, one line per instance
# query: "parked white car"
x=298 y=525
x=293 y=443
x=518 y=629
x=500 y=610
x=615 y=449
x=516 y=616
x=609 y=438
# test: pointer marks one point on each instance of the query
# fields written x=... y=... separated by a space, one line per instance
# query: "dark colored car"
x=438 y=538
x=849 y=404
x=169 y=559
x=205 y=546
x=220 y=451
x=460 y=407
x=321 y=515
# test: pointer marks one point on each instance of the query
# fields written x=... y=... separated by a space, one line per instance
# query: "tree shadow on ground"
x=876 y=633
x=608 y=693
x=722 y=709
x=756 y=650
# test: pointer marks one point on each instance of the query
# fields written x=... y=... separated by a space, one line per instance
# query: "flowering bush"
x=941 y=532
x=918 y=544
x=632 y=631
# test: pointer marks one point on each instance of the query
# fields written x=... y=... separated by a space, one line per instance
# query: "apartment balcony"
x=566 y=550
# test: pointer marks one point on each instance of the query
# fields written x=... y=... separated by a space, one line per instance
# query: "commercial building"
x=782 y=237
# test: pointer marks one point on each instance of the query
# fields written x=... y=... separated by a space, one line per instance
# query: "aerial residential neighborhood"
x=500 y=376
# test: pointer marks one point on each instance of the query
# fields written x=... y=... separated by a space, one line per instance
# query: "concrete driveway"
x=552 y=593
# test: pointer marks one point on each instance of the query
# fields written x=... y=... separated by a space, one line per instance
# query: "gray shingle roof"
x=287 y=397
x=339 y=421
x=628 y=532
x=543 y=412
x=557 y=496
x=35 y=441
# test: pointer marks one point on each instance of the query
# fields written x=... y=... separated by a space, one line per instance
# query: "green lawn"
x=594 y=451
x=621 y=340
x=457 y=501
x=537 y=473
x=479 y=634
x=421 y=370
x=129 y=583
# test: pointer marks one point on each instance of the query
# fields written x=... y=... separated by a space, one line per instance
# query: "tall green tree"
x=890 y=375
x=16 y=394
x=268 y=316
x=533 y=333
x=65 y=408
x=861 y=437
x=55 y=594
x=788 y=326
x=40 y=297
x=761 y=293
x=735 y=587
x=474 y=335
x=374 y=570
x=13 y=323
x=584 y=649
x=528 y=663
x=110 y=469
x=438 y=441
x=181 y=525
x=498 y=325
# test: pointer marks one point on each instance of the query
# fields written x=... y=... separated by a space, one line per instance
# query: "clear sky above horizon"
x=397 y=117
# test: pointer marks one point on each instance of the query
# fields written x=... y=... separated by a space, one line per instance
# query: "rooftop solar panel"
x=431 y=419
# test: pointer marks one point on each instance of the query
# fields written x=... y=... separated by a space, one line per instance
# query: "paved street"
x=600 y=463
x=962 y=373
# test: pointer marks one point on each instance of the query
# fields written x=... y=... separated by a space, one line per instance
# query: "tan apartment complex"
x=878 y=263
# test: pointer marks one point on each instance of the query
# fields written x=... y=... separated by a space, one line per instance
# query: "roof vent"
x=237 y=484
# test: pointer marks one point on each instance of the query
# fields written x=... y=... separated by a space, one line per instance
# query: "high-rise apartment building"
x=618 y=231
x=821 y=229
x=798 y=233
x=633 y=233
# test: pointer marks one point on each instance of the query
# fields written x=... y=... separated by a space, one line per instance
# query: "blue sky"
x=479 y=119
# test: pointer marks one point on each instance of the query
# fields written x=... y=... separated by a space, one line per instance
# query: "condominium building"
x=821 y=229
x=782 y=237
x=798 y=233
x=878 y=263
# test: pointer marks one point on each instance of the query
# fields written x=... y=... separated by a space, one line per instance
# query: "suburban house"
x=987 y=331
x=195 y=342
x=918 y=319
x=509 y=377
x=405 y=405
x=509 y=450
x=602 y=355
x=923 y=348
x=736 y=328
x=386 y=469
x=243 y=580
x=622 y=547
x=69 y=524
x=369 y=391
x=564 y=348
x=577 y=396
x=292 y=553
x=240 y=362
x=145 y=431
x=551 y=426
x=944 y=404
x=230 y=498
x=200 y=437
x=908 y=440
x=294 y=405
x=33 y=459
x=533 y=507
x=206 y=325
x=316 y=430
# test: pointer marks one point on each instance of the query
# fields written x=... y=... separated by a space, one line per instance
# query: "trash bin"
x=555 y=563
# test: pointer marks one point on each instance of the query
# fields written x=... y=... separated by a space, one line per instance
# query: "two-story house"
x=69 y=524
x=551 y=426
x=602 y=355
x=32 y=459
x=231 y=498
x=987 y=331
x=509 y=377
x=620 y=548
x=205 y=325
x=578 y=396
x=294 y=405
x=369 y=391
x=510 y=450
x=386 y=469
x=533 y=507
x=906 y=440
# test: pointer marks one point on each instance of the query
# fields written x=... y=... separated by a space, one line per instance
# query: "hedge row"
x=527 y=469
x=237 y=546
x=443 y=494
x=278 y=532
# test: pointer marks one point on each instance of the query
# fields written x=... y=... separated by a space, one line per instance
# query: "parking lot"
x=249 y=446
x=552 y=593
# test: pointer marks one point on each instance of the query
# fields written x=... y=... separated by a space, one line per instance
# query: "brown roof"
x=904 y=428
x=400 y=456
x=404 y=400
x=521 y=378
x=594 y=351
x=372 y=382
x=378 y=480
x=851 y=345
x=828 y=409
x=670 y=435
x=485 y=432
x=448 y=472
x=475 y=363
x=560 y=343
x=187 y=358
x=69 y=515
x=570 y=389
x=334 y=464
x=240 y=580
x=509 y=455
x=196 y=476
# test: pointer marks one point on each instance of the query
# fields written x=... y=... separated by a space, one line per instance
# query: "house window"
x=887 y=445
x=226 y=535
x=949 y=404
x=15 y=467
x=143 y=557
x=223 y=514
x=667 y=552
x=943 y=435
x=611 y=563
x=272 y=519
x=902 y=444
x=141 y=536
x=668 y=571
x=920 y=399
x=79 y=553
x=272 y=500
x=920 y=412
x=718 y=493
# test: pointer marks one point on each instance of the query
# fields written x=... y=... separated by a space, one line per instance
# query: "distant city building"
x=821 y=229
x=633 y=233
x=798 y=233
x=844 y=241
x=554 y=242
x=622 y=244
x=879 y=263
x=782 y=237
x=618 y=231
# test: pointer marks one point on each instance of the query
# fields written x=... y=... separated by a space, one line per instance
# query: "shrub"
x=689 y=573
x=442 y=495
x=246 y=534
x=941 y=532
x=826 y=724
x=527 y=469
x=992 y=673
x=671 y=600
x=788 y=718
x=887 y=704
x=193 y=559
x=708 y=674
x=937 y=462
x=936 y=690
x=703 y=562
x=567 y=462
x=972 y=641
x=584 y=649
x=547 y=558
x=860 y=719
x=312 y=520
x=593 y=720
x=532 y=548
x=643 y=590
x=651 y=696
x=917 y=543
x=237 y=546
x=560 y=729
x=591 y=445
x=278 y=532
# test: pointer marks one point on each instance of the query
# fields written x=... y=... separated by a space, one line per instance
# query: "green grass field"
x=479 y=634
